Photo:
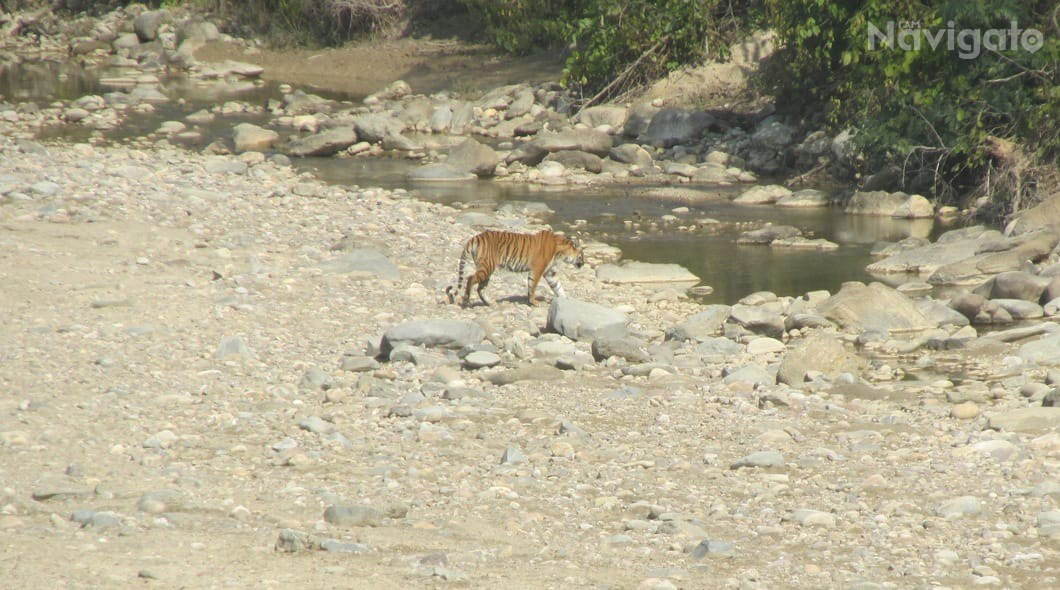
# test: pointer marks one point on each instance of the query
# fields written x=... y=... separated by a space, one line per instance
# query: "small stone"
x=481 y=359
x=292 y=541
x=965 y=411
x=808 y=517
x=316 y=425
x=315 y=378
x=359 y=364
x=713 y=548
x=513 y=456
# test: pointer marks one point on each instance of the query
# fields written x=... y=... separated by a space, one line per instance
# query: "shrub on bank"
x=963 y=117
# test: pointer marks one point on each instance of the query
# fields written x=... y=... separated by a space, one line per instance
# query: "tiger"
x=518 y=252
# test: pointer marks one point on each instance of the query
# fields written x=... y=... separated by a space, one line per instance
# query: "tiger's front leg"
x=553 y=283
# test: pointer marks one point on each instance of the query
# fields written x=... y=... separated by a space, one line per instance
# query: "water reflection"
x=46 y=81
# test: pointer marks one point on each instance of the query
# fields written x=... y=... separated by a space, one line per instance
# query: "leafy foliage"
x=937 y=108
x=631 y=40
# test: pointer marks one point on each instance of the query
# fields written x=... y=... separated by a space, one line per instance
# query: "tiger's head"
x=571 y=250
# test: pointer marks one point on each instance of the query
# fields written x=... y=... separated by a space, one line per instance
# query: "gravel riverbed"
x=190 y=399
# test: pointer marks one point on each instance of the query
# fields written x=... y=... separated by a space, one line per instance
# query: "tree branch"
x=625 y=74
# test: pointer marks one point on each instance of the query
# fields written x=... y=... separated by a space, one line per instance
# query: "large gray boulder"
x=915 y=207
x=620 y=345
x=804 y=199
x=639 y=118
x=875 y=307
x=768 y=234
x=824 y=353
x=375 y=127
x=580 y=320
x=612 y=116
x=1033 y=420
x=435 y=333
x=248 y=137
x=1043 y=351
x=577 y=160
x=325 y=143
x=766 y=319
x=631 y=153
x=586 y=140
x=774 y=134
x=672 y=126
x=880 y=203
x=1014 y=285
x=631 y=271
x=701 y=326
x=925 y=260
x=197 y=29
x=474 y=157
x=1043 y=215
x=762 y=195
x=146 y=25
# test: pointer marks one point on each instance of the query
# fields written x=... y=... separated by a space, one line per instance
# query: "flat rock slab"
x=1033 y=420
x=876 y=307
x=363 y=260
x=645 y=272
x=440 y=173
x=324 y=143
x=439 y=333
x=1044 y=351
x=760 y=459
x=527 y=373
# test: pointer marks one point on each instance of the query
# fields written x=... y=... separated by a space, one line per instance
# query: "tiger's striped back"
x=518 y=252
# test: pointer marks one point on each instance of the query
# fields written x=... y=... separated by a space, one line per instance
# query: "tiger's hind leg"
x=481 y=279
x=531 y=286
x=481 y=292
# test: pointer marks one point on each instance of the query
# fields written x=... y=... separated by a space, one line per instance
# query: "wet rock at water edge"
x=473 y=157
x=631 y=271
x=248 y=137
x=325 y=143
x=762 y=195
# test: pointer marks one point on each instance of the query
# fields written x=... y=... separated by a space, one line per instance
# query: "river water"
x=710 y=252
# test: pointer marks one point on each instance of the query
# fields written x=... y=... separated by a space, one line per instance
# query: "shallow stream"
x=709 y=249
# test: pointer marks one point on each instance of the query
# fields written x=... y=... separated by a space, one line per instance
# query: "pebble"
x=965 y=411
x=481 y=359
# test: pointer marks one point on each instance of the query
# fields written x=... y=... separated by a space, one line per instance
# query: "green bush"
x=930 y=109
x=615 y=44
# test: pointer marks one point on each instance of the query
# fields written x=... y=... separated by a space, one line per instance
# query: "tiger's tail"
x=453 y=291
